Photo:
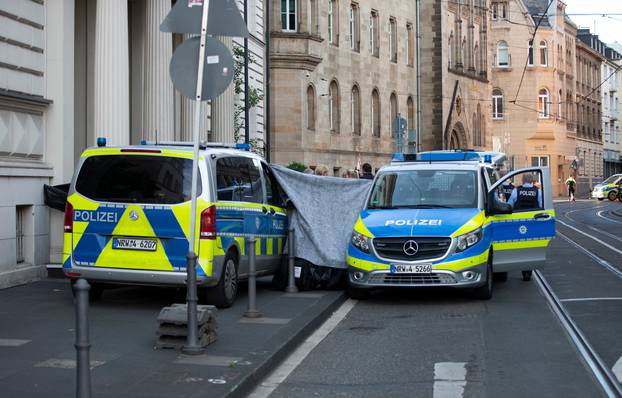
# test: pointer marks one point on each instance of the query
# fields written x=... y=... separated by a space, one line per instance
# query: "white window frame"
x=352 y=26
x=507 y=52
x=530 y=53
x=540 y=162
x=546 y=53
x=496 y=100
x=331 y=101
x=287 y=13
x=392 y=39
x=544 y=99
x=331 y=22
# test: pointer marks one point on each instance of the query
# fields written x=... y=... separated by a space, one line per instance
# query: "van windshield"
x=136 y=179
x=420 y=189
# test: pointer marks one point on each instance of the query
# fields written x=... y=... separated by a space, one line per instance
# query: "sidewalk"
x=37 y=335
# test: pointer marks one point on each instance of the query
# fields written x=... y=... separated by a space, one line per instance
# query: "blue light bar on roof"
x=242 y=147
x=447 y=156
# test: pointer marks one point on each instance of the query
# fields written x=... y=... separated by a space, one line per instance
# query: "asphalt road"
x=441 y=343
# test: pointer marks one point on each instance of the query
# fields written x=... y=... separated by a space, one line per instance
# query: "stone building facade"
x=611 y=75
x=533 y=112
x=590 y=56
x=340 y=72
x=455 y=82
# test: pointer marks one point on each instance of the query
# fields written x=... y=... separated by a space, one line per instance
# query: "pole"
x=267 y=83
x=418 y=132
x=291 y=282
x=252 y=311
x=192 y=346
x=82 y=344
x=246 y=99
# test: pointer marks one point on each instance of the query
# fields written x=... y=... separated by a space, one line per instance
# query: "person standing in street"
x=367 y=175
x=526 y=196
x=321 y=170
x=507 y=187
x=571 y=185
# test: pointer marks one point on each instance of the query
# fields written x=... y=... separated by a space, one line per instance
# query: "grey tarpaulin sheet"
x=326 y=209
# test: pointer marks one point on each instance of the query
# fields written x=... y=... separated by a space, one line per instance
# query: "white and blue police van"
x=440 y=219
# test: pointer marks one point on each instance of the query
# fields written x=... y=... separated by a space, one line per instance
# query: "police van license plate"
x=134 y=244
x=411 y=269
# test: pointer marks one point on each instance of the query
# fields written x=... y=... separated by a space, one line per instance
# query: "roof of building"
x=537 y=8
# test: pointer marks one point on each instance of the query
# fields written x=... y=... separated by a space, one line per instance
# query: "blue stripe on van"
x=171 y=235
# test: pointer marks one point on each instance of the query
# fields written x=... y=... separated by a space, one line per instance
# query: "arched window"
x=474 y=131
x=544 y=56
x=411 y=113
x=288 y=15
x=463 y=53
x=355 y=110
x=476 y=64
x=544 y=102
x=333 y=107
x=478 y=123
x=530 y=53
x=332 y=22
x=497 y=104
x=559 y=105
x=394 y=108
x=375 y=113
x=450 y=51
x=482 y=126
x=503 y=55
x=310 y=108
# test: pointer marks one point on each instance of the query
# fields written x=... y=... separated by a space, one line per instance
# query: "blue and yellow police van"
x=608 y=189
x=128 y=211
x=440 y=219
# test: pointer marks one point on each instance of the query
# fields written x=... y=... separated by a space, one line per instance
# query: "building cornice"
x=294 y=61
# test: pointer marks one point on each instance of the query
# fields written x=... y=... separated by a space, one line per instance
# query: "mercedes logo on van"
x=410 y=247
x=133 y=215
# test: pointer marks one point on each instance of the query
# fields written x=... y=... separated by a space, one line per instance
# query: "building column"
x=112 y=100
x=222 y=109
x=159 y=120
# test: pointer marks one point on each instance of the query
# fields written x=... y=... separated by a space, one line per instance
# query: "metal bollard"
x=83 y=366
x=291 y=282
x=252 y=311
x=192 y=346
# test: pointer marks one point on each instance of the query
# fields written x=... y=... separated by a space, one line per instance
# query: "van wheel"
x=485 y=292
x=612 y=195
x=95 y=292
x=357 y=293
x=527 y=275
x=224 y=293
x=500 y=276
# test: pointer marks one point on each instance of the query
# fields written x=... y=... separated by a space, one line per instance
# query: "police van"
x=441 y=219
x=607 y=189
x=127 y=217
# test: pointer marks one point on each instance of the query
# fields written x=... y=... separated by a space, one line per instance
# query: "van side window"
x=238 y=180
x=273 y=193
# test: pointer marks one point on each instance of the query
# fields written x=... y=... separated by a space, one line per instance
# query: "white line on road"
x=592 y=299
x=287 y=367
x=599 y=260
x=600 y=214
x=449 y=379
x=607 y=245
x=13 y=342
x=617 y=369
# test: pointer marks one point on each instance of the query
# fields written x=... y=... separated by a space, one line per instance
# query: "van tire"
x=612 y=195
x=95 y=292
x=485 y=292
x=223 y=295
x=500 y=276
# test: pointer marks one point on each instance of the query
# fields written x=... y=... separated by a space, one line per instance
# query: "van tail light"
x=208 y=223
x=68 y=217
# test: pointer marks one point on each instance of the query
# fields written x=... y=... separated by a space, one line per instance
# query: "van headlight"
x=467 y=240
x=361 y=242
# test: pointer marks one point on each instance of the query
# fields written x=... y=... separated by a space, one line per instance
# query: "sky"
x=609 y=28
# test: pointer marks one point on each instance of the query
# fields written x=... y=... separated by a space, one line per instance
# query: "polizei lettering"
x=400 y=223
x=92 y=215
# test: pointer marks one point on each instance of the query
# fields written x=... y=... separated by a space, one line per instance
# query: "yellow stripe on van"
x=104 y=151
x=270 y=247
x=366 y=265
x=361 y=228
x=471 y=225
x=528 y=244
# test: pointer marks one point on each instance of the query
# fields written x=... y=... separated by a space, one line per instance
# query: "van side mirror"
x=501 y=208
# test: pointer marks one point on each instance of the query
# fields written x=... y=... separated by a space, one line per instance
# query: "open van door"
x=523 y=222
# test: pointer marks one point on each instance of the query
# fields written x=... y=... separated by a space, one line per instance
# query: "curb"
x=285 y=344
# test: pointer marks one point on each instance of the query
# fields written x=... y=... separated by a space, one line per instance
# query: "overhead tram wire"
x=507 y=11
x=533 y=37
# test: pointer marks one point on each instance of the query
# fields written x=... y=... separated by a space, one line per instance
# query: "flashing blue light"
x=488 y=158
x=101 y=141
x=442 y=156
x=243 y=147
x=398 y=157
x=143 y=142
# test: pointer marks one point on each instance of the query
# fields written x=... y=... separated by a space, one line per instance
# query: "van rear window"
x=136 y=179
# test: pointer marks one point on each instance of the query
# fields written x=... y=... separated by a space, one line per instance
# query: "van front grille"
x=427 y=248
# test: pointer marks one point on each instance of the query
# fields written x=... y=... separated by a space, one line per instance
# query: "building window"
x=394 y=111
x=393 y=39
x=333 y=106
x=544 y=104
x=539 y=161
x=410 y=47
x=530 y=54
x=374 y=47
x=355 y=110
x=477 y=122
x=544 y=57
x=476 y=65
x=499 y=10
x=375 y=113
x=288 y=15
x=497 y=104
x=503 y=55
x=411 y=113
x=19 y=233
x=559 y=105
x=354 y=27
x=450 y=50
x=333 y=33
x=310 y=108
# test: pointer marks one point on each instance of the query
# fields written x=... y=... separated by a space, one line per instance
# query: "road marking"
x=266 y=321
x=599 y=260
x=287 y=367
x=617 y=369
x=449 y=379
x=607 y=245
x=207 y=360
x=13 y=342
x=64 y=363
x=600 y=214
x=591 y=299
x=306 y=295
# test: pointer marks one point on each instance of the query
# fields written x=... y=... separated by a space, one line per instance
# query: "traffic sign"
x=217 y=68
x=224 y=18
